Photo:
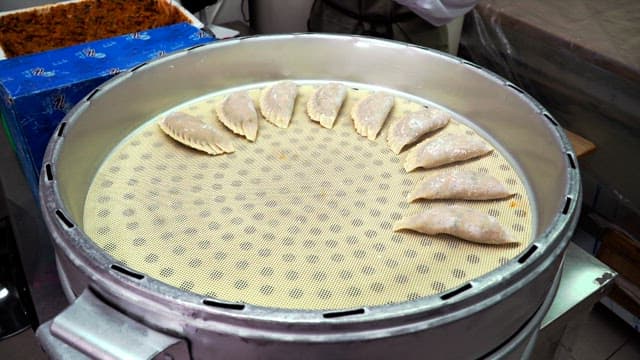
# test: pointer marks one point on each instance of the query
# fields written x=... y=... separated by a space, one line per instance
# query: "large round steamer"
x=467 y=322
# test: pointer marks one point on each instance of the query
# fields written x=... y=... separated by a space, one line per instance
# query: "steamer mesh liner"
x=300 y=219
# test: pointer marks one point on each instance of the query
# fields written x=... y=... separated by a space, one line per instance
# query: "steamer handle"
x=91 y=329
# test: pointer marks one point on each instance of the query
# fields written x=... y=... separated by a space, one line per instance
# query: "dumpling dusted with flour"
x=370 y=113
x=277 y=102
x=413 y=125
x=467 y=224
x=238 y=113
x=190 y=131
x=459 y=185
x=445 y=149
x=325 y=103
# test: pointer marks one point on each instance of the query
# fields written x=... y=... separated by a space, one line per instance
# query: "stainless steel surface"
x=115 y=336
x=585 y=280
x=521 y=345
x=55 y=348
x=539 y=149
x=65 y=284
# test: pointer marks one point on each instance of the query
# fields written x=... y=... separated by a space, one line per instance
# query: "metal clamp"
x=91 y=329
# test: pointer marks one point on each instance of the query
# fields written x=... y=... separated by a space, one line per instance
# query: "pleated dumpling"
x=325 y=103
x=370 y=113
x=190 y=131
x=277 y=102
x=413 y=125
x=238 y=113
x=459 y=185
x=464 y=223
x=445 y=149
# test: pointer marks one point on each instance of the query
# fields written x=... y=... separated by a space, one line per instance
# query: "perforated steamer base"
x=300 y=219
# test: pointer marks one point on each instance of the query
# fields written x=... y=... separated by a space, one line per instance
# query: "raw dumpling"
x=277 y=102
x=324 y=105
x=411 y=126
x=464 y=223
x=238 y=113
x=369 y=114
x=445 y=149
x=459 y=185
x=190 y=131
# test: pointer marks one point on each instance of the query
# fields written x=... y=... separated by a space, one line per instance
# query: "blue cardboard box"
x=37 y=90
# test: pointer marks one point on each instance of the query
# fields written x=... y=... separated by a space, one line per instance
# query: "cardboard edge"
x=192 y=19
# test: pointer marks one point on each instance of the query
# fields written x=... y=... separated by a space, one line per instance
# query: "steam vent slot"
x=472 y=64
x=456 y=292
x=126 y=272
x=337 y=314
x=527 y=254
x=515 y=88
x=223 y=305
x=572 y=162
x=48 y=172
x=555 y=123
x=195 y=47
x=567 y=203
x=61 y=128
x=137 y=67
x=63 y=218
x=93 y=93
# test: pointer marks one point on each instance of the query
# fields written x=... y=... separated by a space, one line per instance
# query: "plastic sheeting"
x=439 y=12
x=581 y=60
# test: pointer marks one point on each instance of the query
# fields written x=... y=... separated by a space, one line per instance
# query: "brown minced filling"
x=64 y=25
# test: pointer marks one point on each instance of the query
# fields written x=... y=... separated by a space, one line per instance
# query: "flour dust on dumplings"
x=325 y=103
x=459 y=185
x=413 y=125
x=238 y=113
x=370 y=113
x=464 y=223
x=277 y=102
x=445 y=149
x=190 y=131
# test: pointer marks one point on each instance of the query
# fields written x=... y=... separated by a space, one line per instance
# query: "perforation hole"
x=63 y=218
x=127 y=272
x=223 y=305
x=527 y=254
x=48 y=172
x=567 y=204
x=572 y=162
x=337 y=314
x=456 y=292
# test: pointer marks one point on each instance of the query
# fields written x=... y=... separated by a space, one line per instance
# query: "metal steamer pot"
x=121 y=313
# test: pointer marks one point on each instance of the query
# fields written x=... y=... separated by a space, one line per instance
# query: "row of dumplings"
x=461 y=222
x=237 y=113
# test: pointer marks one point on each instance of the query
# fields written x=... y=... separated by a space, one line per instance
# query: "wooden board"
x=581 y=145
x=622 y=253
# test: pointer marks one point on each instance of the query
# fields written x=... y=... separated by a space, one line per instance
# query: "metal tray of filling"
x=287 y=244
x=42 y=28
